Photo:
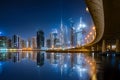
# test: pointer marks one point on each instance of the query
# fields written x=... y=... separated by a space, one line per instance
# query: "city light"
x=87 y=9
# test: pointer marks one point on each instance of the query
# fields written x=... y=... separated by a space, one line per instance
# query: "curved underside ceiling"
x=96 y=10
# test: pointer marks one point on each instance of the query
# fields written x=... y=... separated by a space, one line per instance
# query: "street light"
x=93 y=28
x=87 y=9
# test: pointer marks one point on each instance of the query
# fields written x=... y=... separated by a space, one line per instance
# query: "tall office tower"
x=64 y=36
x=34 y=44
x=54 y=38
x=29 y=43
x=15 y=41
x=3 y=42
x=72 y=36
x=23 y=44
x=48 y=43
x=40 y=39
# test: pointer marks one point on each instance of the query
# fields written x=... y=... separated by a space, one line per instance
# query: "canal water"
x=58 y=66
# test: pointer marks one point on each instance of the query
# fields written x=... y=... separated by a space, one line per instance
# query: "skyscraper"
x=40 y=39
x=54 y=39
x=34 y=45
x=48 y=43
x=23 y=44
x=15 y=41
x=72 y=36
x=29 y=45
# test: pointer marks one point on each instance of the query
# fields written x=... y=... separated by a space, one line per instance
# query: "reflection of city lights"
x=0 y=63
x=88 y=36
x=65 y=65
x=0 y=33
x=81 y=68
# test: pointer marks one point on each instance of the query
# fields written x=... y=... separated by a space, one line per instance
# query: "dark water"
x=58 y=66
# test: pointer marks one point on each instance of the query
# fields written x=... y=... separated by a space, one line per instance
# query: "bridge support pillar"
x=117 y=45
x=103 y=46
x=98 y=48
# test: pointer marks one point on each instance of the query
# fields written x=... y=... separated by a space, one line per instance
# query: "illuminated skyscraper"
x=40 y=39
x=72 y=36
x=63 y=35
x=80 y=33
x=54 y=39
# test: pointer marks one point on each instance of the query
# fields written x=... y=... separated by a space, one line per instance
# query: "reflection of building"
x=3 y=57
x=40 y=59
x=53 y=58
x=15 y=57
x=40 y=39
x=3 y=42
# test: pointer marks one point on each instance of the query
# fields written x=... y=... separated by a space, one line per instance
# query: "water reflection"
x=53 y=66
x=40 y=59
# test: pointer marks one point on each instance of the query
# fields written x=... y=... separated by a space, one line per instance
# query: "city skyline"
x=24 y=18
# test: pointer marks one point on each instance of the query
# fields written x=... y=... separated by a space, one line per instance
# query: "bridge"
x=106 y=15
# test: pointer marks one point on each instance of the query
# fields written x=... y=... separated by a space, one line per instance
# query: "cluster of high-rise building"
x=67 y=37
x=62 y=38
x=16 y=42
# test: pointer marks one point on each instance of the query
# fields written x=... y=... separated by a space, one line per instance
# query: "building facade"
x=40 y=39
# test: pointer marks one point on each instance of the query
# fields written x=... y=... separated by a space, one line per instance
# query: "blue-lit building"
x=54 y=39
x=79 y=33
x=64 y=36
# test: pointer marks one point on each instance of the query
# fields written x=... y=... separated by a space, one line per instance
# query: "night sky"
x=25 y=17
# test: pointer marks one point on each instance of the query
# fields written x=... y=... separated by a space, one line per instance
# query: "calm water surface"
x=58 y=66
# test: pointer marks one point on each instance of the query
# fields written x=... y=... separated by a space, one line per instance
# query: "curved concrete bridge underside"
x=106 y=17
x=96 y=9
